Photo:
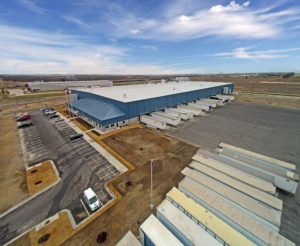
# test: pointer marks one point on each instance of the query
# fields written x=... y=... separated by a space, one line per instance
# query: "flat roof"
x=242 y=219
x=239 y=185
x=129 y=240
x=187 y=227
x=235 y=196
x=214 y=223
x=131 y=93
x=158 y=233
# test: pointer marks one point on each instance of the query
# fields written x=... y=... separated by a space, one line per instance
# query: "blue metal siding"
x=134 y=109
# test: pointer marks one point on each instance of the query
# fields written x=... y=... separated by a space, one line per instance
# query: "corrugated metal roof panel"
x=218 y=226
x=98 y=109
x=158 y=233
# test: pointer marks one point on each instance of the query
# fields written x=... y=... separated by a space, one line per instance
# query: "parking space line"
x=103 y=169
x=108 y=174
x=82 y=146
x=85 y=154
x=86 y=159
x=95 y=160
x=84 y=207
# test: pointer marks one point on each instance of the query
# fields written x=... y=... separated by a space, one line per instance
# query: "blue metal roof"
x=97 y=109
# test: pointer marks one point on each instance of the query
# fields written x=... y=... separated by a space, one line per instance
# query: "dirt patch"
x=12 y=174
x=40 y=177
x=83 y=125
x=127 y=214
x=29 y=105
x=53 y=233
x=274 y=100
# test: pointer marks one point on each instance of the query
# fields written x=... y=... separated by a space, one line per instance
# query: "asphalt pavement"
x=76 y=172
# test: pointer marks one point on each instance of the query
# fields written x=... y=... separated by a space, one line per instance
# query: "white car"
x=50 y=112
x=91 y=199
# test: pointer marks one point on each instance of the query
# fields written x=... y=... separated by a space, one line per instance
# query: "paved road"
x=75 y=174
x=273 y=131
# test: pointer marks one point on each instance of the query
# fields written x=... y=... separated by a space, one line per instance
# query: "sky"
x=149 y=36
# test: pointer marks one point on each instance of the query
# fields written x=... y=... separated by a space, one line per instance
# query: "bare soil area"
x=40 y=177
x=13 y=188
x=26 y=105
x=261 y=83
x=273 y=100
x=138 y=146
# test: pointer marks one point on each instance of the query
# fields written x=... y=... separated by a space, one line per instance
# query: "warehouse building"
x=114 y=107
x=60 y=85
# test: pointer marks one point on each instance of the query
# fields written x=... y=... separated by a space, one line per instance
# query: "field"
x=12 y=175
x=272 y=100
x=138 y=146
x=260 y=83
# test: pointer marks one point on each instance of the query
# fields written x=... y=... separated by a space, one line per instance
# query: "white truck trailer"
x=153 y=122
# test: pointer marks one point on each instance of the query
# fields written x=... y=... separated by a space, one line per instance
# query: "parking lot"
x=80 y=166
x=35 y=150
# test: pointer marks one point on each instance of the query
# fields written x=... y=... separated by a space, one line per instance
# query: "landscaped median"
x=41 y=176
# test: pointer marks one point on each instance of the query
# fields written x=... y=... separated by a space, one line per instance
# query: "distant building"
x=182 y=79
x=60 y=85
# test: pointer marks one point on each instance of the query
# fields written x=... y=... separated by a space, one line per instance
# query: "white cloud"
x=31 y=5
x=246 y=53
x=238 y=20
x=33 y=51
x=152 y=47
x=135 y=31
x=76 y=21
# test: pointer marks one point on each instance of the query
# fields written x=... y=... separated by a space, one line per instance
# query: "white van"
x=91 y=199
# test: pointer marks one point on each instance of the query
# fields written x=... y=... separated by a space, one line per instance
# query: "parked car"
x=47 y=109
x=25 y=124
x=59 y=119
x=54 y=116
x=49 y=112
x=76 y=136
x=21 y=114
x=91 y=199
x=24 y=117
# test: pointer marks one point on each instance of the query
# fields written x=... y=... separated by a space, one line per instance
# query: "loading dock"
x=182 y=111
x=171 y=120
x=153 y=122
x=194 y=111
x=200 y=106
x=211 y=104
x=177 y=114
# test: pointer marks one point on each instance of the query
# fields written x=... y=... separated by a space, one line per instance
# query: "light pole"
x=151 y=198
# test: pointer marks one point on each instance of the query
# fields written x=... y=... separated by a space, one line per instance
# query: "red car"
x=24 y=117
